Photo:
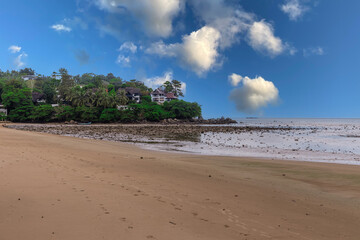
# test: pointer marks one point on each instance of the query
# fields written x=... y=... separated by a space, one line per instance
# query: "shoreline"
x=72 y=188
x=221 y=140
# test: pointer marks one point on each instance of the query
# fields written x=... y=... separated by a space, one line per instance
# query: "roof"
x=132 y=90
x=170 y=95
x=157 y=91
x=37 y=96
x=29 y=76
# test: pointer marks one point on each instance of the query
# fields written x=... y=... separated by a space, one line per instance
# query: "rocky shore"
x=178 y=132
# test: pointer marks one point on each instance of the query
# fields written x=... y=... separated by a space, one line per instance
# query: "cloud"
x=14 y=49
x=128 y=46
x=155 y=16
x=253 y=94
x=61 y=28
x=319 y=51
x=19 y=60
x=197 y=51
x=229 y=20
x=224 y=26
x=158 y=81
x=261 y=38
x=124 y=61
x=295 y=9
x=235 y=79
x=82 y=56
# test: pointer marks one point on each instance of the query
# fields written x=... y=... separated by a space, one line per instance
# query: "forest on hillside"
x=31 y=97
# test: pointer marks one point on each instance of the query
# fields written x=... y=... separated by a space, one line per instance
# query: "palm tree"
x=122 y=99
x=104 y=99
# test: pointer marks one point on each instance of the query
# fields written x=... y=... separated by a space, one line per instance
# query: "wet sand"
x=57 y=187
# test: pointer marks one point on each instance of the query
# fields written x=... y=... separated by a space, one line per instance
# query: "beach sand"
x=56 y=187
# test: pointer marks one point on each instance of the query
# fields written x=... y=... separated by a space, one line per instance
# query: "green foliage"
x=49 y=89
x=149 y=111
x=173 y=87
x=2 y=85
x=145 y=99
x=14 y=95
x=87 y=114
x=64 y=113
x=2 y=116
x=183 y=110
x=27 y=71
x=21 y=114
x=128 y=116
x=42 y=113
x=93 y=102
x=67 y=83
x=110 y=115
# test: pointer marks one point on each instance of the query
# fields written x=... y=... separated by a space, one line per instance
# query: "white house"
x=159 y=96
x=133 y=94
x=29 y=77
x=3 y=110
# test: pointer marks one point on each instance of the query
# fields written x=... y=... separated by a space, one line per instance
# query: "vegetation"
x=86 y=98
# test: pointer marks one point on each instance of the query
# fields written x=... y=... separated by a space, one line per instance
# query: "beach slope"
x=56 y=187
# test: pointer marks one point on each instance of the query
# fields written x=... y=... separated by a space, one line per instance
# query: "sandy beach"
x=58 y=187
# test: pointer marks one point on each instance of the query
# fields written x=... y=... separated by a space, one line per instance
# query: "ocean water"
x=316 y=140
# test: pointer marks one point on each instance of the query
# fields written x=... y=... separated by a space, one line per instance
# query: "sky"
x=236 y=58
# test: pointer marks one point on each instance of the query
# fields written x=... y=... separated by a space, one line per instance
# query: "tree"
x=110 y=115
x=2 y=85
x=183 y=110
x=77 y=97
x=27 y=71
x=66 y=84
x=122 y=98
x=104 y=100
x=173 y=87
x=109 y=77
x=42 y=113
x=49 y=89
x=98 y=82
x=16 y=95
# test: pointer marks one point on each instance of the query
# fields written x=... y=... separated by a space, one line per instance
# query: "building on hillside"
x=170 y=96
x=159 y=96
x=133 y=94
x=3 y=110
x=38 y=97
x=29 y=77
x=122 y=107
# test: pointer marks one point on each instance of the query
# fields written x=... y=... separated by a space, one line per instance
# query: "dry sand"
x=55 y=187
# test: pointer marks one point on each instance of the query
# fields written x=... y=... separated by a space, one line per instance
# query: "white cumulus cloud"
x=158 y=81
x=19 y=60
x=197 y=51
x=128 y=46
x=253 y=94
x=156 y=16
x=295 y=9
x=61 y=28
x=235 y=79
x=14 y=49
x=230 y=20
x=261 y=38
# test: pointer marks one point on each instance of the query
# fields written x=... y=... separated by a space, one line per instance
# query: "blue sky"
x=270 y=58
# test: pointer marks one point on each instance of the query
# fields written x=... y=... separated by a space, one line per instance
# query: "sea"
x=314 y=140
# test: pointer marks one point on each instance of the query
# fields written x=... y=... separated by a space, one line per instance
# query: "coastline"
x=71 y=188
x=326 y=141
